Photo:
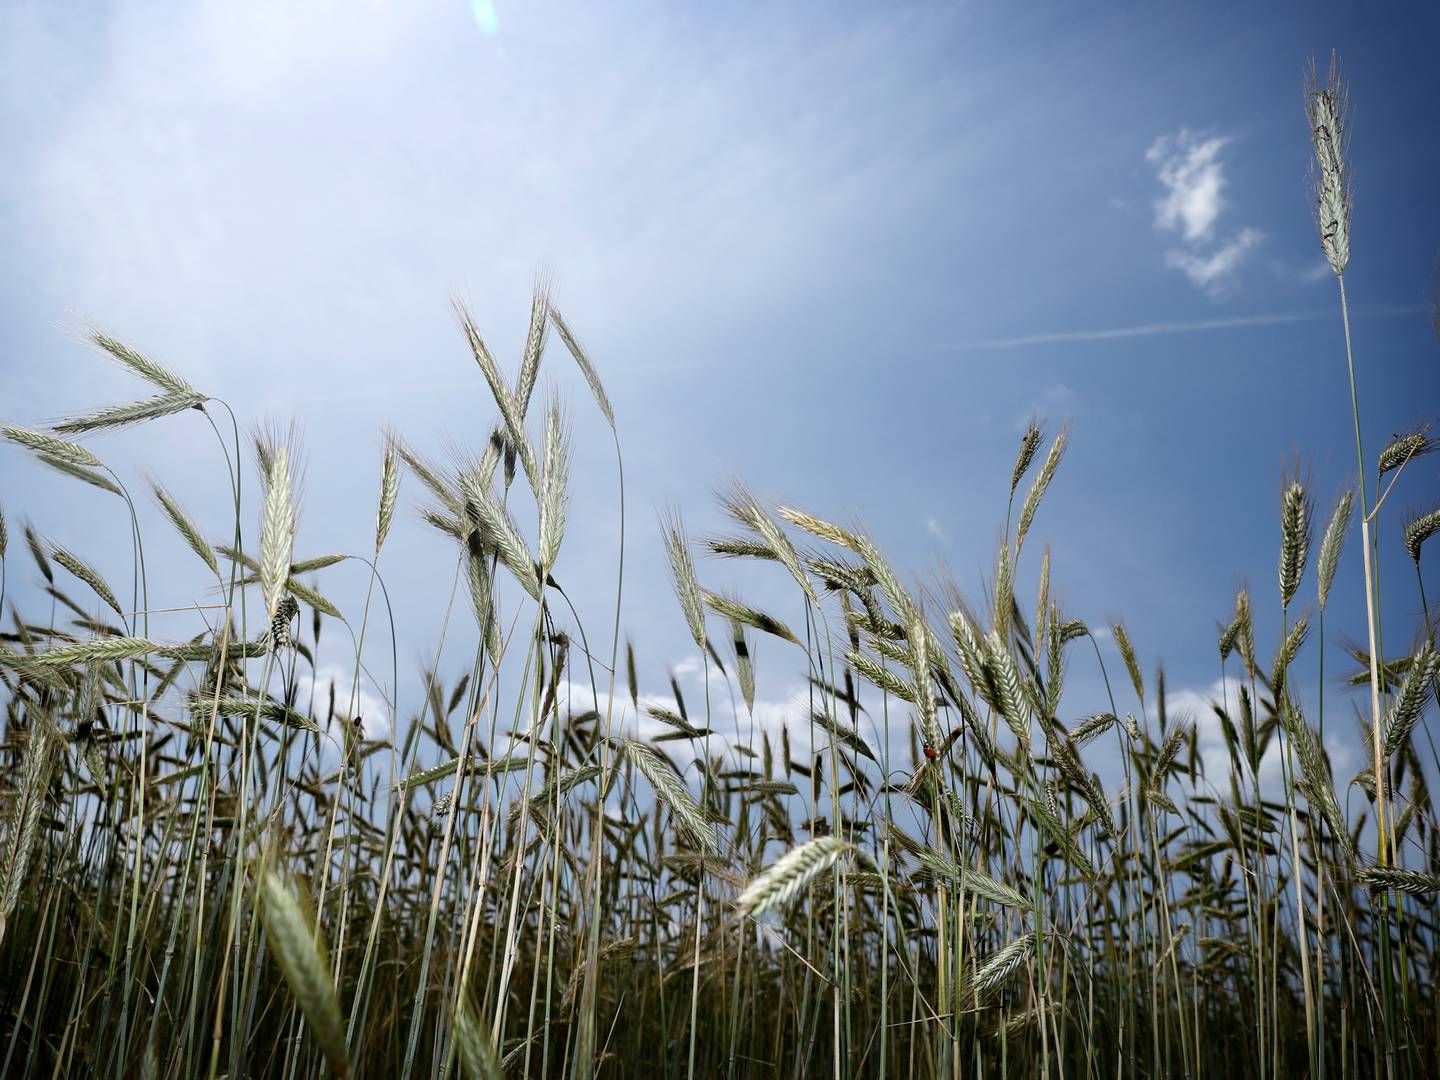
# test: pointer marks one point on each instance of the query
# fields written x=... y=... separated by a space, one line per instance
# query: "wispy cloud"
x=1116 y=333
x=1189 y=168
x=934 y=528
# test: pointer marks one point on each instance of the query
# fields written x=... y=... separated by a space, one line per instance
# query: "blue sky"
x=839 y=250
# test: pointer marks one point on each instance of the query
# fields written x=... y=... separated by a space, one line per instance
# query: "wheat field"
x=207 y=872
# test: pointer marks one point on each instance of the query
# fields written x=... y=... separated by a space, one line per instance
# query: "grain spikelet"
x=41 y=750
x=1326 y=106
x=97 y=651
x=478 y=1059
x=299 y=948
x=1419 y=529
x=509 y=408
x=747 y=510
x=825 y=530
x=1408 y=704
x=150 y=370
x=881 y=676
x=1410 y=881
x=1294 y=539
x=744 y=663
x=185 y=526
x=1332 y=544
x=554 y=486
x=482 y=596
x=79 y=472
x=88 y=574
x=1029 y=443
x=672 y=792
x=997 y=892
x=1039 y=485
x=277 y=528
x=1403 y=449
x=389 y=492
x=1001 y=965
x=682 y=577
x=49 y=446
x=498 y=530
x=1127 y=653
x=131 y=412
x=534 y=346
x=1012 y=700
x=787 y=877
x=586 y=368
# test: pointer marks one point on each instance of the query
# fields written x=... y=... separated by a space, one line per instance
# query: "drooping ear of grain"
x=185 y=526
x=786 y=878
x=1409 y=702
x=671 y=791
x=49 y=446
x=299 y=948
x=148 y=369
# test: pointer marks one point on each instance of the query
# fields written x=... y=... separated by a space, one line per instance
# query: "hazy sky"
x=839 y=250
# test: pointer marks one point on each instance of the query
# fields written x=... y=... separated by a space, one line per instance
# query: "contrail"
x=1152 y=329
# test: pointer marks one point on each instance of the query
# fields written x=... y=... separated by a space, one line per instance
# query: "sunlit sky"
x=842 y=251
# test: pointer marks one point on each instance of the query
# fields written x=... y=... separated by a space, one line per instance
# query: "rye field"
x=944 y=865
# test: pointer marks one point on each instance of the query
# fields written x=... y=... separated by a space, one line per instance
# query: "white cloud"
x=370 y=704
x=1199 y=706
x=1213 y=270
x=1189 y=167
x=933 y=528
